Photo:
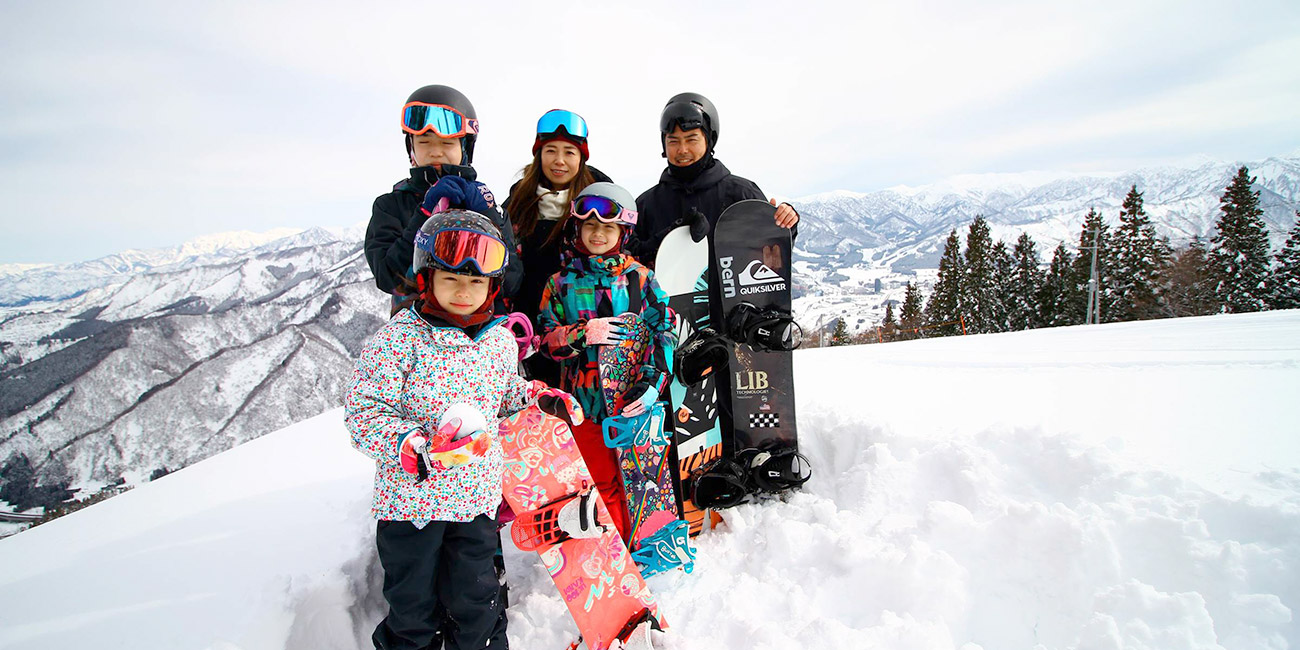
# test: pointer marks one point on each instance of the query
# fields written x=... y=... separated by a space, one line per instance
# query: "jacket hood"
x=445 y=333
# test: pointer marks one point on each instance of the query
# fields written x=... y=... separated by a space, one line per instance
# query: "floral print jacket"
x=409 y=372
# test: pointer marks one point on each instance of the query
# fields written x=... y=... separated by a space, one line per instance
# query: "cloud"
x=184 y=118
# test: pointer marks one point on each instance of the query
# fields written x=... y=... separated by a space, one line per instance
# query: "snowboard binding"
x=667 y=549
x=704 y=353
x=571 y=517
x=728 y=482
x=638 y=431
x=776 y=468
x=766 y=329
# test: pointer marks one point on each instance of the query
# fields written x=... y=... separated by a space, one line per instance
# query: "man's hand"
x=786 y=217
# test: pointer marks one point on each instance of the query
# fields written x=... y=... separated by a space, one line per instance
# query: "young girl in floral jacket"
x=599 y=282
x=436 y=497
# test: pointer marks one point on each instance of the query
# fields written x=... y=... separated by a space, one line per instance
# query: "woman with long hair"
x=539 y=203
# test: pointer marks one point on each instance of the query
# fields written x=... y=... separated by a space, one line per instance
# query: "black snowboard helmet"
x=464 y=242
x=447 y=96
x=689 y=111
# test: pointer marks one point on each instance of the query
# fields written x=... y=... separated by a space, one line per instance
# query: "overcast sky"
x=141 y=124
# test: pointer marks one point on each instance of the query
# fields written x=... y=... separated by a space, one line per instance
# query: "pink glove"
x=522 y=328
x=414 y=452
x=639 y=400
x=605 y=331
x=559 y=403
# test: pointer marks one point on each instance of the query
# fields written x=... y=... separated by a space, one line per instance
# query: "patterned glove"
x=606 y=331
x=560 y=404
x=413 y=450
x=570 y=337
x=639 y=399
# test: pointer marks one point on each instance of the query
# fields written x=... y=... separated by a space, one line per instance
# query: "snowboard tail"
x=600 y=584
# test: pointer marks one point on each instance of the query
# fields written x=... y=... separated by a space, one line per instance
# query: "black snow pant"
x=441 y=586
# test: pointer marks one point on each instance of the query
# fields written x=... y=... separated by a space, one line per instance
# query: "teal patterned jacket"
x=599 y=287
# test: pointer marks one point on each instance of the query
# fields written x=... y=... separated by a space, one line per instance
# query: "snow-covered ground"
x=1118 y=486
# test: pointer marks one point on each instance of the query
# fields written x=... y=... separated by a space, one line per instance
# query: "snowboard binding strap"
x=704 y=353
x=668 y=548
x=766 y=329
x=719 y=484
x=776 y=468
x=727 y=482
x=637 y=431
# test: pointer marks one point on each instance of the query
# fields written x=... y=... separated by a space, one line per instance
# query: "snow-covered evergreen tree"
x=979 y=288
x=1139 y=257
x=1025 y=286
x=841 y=334
x=944 y=308
x=1057 y=290
x=1188 y=289
x=911 y=316
x=1239 y=255
x=1284 y=282
x=1004 y=270
x=888 y=327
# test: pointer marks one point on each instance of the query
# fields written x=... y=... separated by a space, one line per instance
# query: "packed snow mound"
x=1117 y=486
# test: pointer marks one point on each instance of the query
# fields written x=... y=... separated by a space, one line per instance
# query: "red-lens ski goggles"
x=605 y=210
x=447 y=122
x=456 y=249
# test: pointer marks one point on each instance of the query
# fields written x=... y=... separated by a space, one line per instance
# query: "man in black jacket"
x=694 y=190
x=694 y=181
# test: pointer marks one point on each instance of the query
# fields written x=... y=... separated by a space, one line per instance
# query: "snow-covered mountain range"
x=897 y=235
x=148 y=360
x=162 y=368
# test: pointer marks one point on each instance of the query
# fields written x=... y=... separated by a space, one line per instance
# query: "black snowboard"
x=752 y=257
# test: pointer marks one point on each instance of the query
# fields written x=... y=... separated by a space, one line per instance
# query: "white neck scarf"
x=553 y=206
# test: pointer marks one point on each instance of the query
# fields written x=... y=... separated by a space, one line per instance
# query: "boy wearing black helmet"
x=695 y=182
x=441 y=128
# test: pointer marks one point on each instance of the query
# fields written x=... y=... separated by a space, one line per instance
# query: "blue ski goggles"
x=604 y=209
x=445 y=121
x=551 y=122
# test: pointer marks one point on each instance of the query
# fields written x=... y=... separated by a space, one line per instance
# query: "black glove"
x=699 y=225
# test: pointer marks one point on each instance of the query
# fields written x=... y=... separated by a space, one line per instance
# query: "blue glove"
x=447 y=187
x=476 y=197
x=459 y=193
x=639 y=400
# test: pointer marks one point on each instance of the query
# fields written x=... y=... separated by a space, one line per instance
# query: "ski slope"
x=1118 y=486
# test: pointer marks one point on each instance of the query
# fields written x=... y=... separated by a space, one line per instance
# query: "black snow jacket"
x=396 y=217
x=540 y=262
x=666 y=205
